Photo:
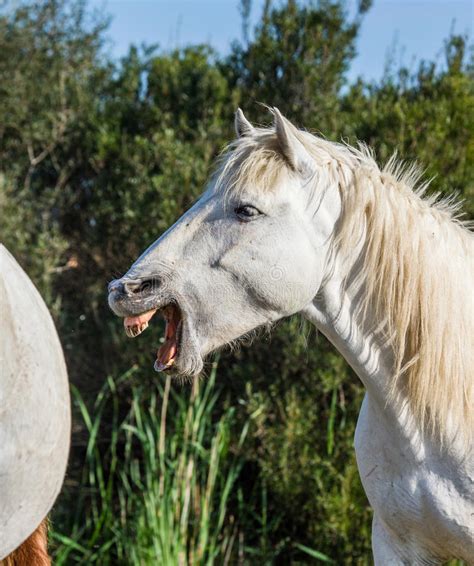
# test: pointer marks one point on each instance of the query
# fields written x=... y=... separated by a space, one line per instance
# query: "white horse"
x=291 y=223
x=35 y=417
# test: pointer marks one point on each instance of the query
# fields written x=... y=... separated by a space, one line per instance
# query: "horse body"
x=35 y=417
x=291 y=224
x=422 y=501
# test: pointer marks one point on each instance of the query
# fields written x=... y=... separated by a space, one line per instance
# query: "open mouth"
x=168 y=351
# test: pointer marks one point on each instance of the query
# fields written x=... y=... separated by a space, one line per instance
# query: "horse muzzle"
x=138 y=301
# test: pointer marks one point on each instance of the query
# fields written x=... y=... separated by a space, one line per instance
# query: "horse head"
x=252 y=250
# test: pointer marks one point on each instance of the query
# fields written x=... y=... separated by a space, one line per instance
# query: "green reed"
x=158 y=491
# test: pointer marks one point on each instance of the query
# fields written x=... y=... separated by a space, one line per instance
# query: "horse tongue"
x=166 y=355
x=167 y=352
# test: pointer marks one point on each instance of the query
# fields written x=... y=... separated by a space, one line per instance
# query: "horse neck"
x=366 y=351
x=332 y=312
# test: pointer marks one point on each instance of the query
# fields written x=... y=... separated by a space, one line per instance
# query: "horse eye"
x=247 y=212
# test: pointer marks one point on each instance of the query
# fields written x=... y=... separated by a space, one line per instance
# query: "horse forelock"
x=256 y=162
x=251 y=163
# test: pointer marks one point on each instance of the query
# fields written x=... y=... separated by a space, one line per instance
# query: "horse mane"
x=416 y=264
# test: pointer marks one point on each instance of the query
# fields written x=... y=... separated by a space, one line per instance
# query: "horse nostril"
x=137 y=287
x=146 y=286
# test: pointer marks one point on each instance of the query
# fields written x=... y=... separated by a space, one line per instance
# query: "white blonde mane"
x=417 y=267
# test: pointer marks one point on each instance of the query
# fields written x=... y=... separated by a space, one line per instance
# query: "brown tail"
x=33 y=552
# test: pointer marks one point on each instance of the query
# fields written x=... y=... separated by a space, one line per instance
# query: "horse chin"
x=188 y=360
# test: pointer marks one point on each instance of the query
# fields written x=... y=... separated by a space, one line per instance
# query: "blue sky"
x=409 y=30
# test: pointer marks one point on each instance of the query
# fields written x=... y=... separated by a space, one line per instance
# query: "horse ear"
x=242 y=126
x=291 y=148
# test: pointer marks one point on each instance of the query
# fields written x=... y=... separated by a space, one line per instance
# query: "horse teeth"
x=160 y=366
x=131 y=331
x=134 y=331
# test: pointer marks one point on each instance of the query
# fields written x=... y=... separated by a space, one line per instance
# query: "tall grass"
x=159 y=491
